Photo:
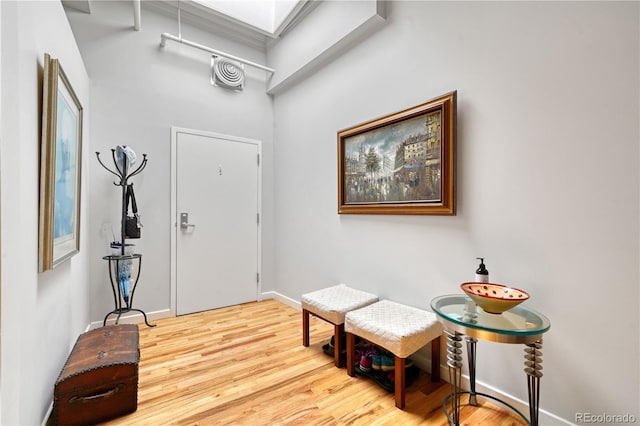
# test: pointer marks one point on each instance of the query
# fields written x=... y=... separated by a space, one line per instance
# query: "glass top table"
x=517 y=325
x=460 y=316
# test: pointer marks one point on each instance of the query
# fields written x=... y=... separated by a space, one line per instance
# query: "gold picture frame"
x=60 y=168
x=403 y=163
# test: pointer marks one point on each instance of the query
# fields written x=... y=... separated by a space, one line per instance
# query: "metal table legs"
x=454 y=361
x=533 y=357
x=471 y=357
x=533 y=368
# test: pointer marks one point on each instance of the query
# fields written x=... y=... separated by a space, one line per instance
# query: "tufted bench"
x=401 y=330
x=331 y=304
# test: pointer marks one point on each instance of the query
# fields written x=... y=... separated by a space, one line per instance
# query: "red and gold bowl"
x=494 y=298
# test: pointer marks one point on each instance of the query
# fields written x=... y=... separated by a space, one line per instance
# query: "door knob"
x=184 y=221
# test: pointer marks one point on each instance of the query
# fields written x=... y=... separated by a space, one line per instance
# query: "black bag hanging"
x=132 y=224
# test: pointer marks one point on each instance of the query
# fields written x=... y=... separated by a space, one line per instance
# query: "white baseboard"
x=133 y=317
x=282 y=298
x=47 y=415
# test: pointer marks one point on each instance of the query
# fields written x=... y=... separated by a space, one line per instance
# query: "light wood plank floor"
x=245 y=365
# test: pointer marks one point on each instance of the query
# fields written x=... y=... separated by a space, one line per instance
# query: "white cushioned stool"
x=331 y=304
x=401 y=330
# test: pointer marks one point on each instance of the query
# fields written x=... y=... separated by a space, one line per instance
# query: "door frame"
x=174 y=200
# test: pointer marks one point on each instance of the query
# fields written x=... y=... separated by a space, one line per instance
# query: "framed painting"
x=60 y=168
x=403 y=163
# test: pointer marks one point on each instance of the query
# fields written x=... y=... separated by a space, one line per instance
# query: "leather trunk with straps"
x=100 y=378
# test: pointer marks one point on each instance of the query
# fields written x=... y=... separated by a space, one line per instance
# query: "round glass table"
x=460 y=316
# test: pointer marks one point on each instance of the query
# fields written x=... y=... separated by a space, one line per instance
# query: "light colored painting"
x=65 y=189
x=60 y=168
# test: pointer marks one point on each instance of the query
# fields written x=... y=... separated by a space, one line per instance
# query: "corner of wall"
x=294 y=61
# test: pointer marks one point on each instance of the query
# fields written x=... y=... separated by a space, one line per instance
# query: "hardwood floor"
x=245 y=365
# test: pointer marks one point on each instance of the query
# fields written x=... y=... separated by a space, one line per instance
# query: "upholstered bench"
x=400 y=329
x=331 y=304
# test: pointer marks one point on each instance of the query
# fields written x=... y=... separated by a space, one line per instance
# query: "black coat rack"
x=123 y=262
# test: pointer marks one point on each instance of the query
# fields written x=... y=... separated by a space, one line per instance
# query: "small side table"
x=517 y=325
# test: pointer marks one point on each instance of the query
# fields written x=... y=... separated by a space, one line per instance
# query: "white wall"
x=548 y=184
x=139 y=90
x=329 y=29
x=42 y=314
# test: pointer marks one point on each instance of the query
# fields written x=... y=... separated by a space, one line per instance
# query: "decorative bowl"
x=494 y=298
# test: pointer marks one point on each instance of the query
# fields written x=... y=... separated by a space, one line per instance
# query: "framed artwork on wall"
x=403 y=163
x=60 y=168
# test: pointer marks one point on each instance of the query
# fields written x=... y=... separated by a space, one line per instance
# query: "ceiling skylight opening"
x=266 y=15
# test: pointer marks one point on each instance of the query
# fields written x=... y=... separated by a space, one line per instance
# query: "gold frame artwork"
x=403 y=163
x=60 y=168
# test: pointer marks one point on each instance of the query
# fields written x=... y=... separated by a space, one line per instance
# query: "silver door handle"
x=184 y=221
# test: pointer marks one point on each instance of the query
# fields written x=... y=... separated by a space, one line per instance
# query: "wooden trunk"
x=100 y=378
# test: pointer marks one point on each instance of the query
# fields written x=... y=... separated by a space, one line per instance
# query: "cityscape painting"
x=400 y=164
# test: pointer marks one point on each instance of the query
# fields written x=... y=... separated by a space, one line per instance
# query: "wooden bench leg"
x=338 y=331
x=305 y=327
x=400 y=382
x=435 y=359
x=351 y=354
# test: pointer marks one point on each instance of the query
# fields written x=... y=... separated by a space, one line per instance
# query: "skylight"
x=266 y=15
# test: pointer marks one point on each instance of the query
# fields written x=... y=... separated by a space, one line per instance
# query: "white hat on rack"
x=125 y=152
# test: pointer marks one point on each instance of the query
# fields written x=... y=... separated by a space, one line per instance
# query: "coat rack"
x=123 y=267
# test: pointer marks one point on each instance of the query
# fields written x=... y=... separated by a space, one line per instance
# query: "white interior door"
x=216 y=252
